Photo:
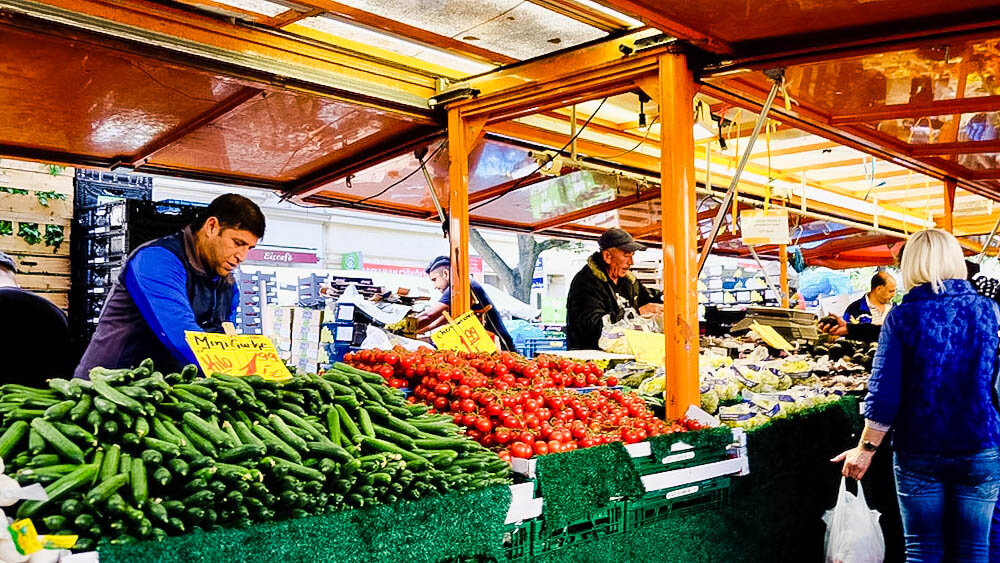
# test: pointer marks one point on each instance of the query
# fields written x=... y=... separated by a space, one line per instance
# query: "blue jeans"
x=947 y=504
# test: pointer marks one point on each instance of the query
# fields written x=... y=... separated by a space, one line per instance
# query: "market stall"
x=489 y=456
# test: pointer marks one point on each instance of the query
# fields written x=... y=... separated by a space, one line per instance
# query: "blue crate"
x=534 y=346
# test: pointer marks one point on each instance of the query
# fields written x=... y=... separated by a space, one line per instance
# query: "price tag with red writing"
x=239 y=354
x=465 y=334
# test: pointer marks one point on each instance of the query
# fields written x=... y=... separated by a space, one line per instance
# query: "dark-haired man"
x=181 y=282
x=439 y=271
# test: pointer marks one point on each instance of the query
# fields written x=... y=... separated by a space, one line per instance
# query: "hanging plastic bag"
x=613 y=333
x=853 y=534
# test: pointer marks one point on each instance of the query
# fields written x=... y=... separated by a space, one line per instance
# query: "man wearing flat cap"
x=605 y=286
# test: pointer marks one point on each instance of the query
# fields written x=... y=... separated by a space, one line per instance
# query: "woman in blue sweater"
x=932 y=384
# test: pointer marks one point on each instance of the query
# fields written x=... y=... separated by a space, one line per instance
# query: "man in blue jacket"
x=181 y=282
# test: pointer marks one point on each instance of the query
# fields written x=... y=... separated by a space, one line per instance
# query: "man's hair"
x=233 y=212
x=7 y=263
x=880 y=279
x=438 y=263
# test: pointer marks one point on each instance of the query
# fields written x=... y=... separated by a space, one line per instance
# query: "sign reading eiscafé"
x=281 y=256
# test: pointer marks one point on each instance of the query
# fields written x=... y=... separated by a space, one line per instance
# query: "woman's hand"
x=856 y=462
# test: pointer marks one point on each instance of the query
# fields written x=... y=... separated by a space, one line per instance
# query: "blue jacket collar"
x=924 y=291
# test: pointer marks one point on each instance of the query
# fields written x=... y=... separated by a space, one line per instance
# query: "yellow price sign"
x=464 y=334
x=237 y=354
x=765 y=227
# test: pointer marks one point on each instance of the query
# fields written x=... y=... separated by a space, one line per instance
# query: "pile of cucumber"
x=135 y=454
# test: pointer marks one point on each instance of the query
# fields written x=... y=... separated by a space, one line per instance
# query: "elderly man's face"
x=619 y=262
x=7 y=278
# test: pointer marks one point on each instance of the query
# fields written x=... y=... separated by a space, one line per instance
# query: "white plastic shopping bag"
x=853 y=534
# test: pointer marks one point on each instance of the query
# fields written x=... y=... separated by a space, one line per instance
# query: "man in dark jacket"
x=605 y=286
x=178 y=283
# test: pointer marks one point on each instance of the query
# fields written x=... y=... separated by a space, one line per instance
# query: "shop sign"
x=281 y=256
x=764 y=227
x=351 y=261
x=538 y=278
x=237 y=354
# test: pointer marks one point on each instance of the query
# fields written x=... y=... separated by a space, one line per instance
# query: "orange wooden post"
x=783 y=255
x=949 y=204
x=458 y=211
x=680 y=239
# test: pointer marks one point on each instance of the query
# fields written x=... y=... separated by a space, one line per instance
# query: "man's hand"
x=856 y=462
x=651 y=309
x=833 y=325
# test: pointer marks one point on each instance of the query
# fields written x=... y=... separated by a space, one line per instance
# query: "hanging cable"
x=403 y=179
x=549 y=159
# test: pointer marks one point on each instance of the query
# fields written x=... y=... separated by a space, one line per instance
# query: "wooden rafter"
x=913 y=111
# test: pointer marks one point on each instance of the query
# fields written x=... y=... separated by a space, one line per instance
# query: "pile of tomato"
x=517 y=406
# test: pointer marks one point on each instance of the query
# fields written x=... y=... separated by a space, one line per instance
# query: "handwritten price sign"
x=237 y=355
x=465 y=334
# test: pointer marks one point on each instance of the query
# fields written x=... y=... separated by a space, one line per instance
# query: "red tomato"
x=541 y=448
x=468 y=405
x=526 y=437
x=502 y=436
x=504 y=455
x=443 y=389
x=469 y=420
x=386 y=372
x=441 y=404
x=483 y=424
x=391 y=359
x=555 y=446
x=463 y=391
x=612 y=381
x=520 y=449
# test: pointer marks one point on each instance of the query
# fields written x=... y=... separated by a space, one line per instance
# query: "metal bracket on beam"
x=778 y=76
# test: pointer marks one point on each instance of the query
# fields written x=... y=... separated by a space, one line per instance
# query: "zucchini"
x=201 y=498
x=64 y=485
x=198 y=390
x=81 y=408
x=101 y=492
x=131 y=440
x=109 y=428
x=160 y=432
x=12 y=437
x=392 y=435
x=158 y=513
x=137 y=478
x=236 y=382
x=299 y=470
x=151 y=457
x=136 y=392
x=296 y=420
x=199 y=442
x=57 y=440
x=43 y=460
x=230 y=431
x=172 y=428
x=65 y=388
x=366 y=423
x=55 y=522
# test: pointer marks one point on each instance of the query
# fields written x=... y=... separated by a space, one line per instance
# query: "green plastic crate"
x=649 y=465
x=518 y=539
x=600 y=524
x=711 y=494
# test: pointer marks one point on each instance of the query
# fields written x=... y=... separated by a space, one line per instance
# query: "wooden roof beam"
x=914 y=111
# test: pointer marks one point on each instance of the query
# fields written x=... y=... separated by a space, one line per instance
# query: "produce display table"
x=773 y=514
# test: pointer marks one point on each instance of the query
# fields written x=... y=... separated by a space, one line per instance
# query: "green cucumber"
x=151 y=457
x=199 y=442
x=345 y=419
x=194 y=400
x=57 y=440
x=239 y=454
x=141 y=427
x=112 y=457
x=105 y=489
x=59 y=410
x=74 y=432
x=285 y=433
x=178 y=467
x=331 y=451
x=137 y=479
x=162 y=476
x=276 y=445
x=246 y=435
x=64 y=485
x=208 y=430
x=296 y=420
x=333 y=425
x=115 y=396
x=81 y=408
x=36 y=443
x=12 y=437
x=167 y=449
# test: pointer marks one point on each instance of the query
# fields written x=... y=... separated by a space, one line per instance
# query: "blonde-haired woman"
x=932 y=384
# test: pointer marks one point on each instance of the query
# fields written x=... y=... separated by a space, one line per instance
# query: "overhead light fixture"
x=442 y=98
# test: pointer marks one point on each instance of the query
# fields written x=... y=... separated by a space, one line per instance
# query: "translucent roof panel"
x=269 y=9
x=515 y=28
x=555 y=197
x=366 y=38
